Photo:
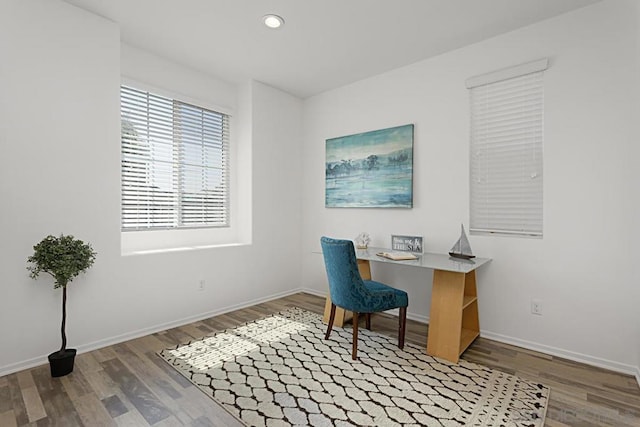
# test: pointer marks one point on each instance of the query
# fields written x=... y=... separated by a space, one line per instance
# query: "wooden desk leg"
x=453 y=320
x=364 y=267
x=343 y=316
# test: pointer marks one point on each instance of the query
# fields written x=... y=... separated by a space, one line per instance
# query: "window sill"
x=180 y=240
x=182 y=249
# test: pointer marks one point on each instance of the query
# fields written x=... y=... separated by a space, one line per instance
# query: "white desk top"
x=426 y=260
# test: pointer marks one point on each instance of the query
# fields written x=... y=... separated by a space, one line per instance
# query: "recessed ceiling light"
x=273 y=21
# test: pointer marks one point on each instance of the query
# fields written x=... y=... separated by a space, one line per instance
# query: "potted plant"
x=63 y=258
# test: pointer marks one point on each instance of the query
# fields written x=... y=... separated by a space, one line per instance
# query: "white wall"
x=59 y=156
x=60 y=153
x=582 y=269
x=634 y=179
x=59 y=78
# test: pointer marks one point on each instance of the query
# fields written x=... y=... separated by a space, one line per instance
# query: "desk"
x=453 y=320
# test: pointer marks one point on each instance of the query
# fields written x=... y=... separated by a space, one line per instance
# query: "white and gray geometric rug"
x=279 y=371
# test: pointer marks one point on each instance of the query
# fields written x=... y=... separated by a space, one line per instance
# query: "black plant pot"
x=61 y=364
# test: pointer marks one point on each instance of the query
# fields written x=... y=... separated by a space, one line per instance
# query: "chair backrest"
x=345 y=283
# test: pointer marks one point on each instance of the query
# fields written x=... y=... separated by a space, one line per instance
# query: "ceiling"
x=324 y=44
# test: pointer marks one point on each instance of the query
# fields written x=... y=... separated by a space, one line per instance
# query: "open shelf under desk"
x=466 y=338
x=467 y=300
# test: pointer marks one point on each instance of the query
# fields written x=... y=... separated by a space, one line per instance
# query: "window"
x=507 y=112
x=174 y=167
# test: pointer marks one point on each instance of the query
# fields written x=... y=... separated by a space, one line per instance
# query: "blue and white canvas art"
x=370 y=170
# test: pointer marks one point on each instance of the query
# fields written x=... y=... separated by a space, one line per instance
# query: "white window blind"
x=175 y=159
x=506 y=179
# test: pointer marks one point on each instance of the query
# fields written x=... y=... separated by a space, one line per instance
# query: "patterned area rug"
x=279 y=371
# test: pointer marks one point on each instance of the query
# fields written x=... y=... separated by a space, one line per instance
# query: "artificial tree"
x=64 y=258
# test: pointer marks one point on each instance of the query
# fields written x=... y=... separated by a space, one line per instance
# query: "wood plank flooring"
x=128 y=385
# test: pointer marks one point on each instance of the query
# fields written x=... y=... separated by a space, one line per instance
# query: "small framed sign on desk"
x=406 y=243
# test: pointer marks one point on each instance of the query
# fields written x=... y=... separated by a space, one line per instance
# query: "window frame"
x=226 y=169
x=514 y=205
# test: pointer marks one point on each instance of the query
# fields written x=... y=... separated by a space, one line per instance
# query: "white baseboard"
x=40 y=360
x=578 y=357
x=418 y=318
x=25 y=364
x=312 y=292
x=566 y=354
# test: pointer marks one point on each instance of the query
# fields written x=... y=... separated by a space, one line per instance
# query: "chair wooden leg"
x=354 y=353
x=332 y=316
x=402 y=327
x=367 y=318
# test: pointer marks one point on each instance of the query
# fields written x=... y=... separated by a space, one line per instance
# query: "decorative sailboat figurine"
x=462 y=248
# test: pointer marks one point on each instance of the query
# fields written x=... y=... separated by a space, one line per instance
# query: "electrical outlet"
x=536 y=307
x=201 y=284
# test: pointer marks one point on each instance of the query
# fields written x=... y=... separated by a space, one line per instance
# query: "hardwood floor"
x=128 y=385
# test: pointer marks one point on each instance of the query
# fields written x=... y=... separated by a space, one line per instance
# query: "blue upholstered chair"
x=350 y=292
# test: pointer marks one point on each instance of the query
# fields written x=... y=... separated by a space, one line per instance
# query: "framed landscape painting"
x=370 y=170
